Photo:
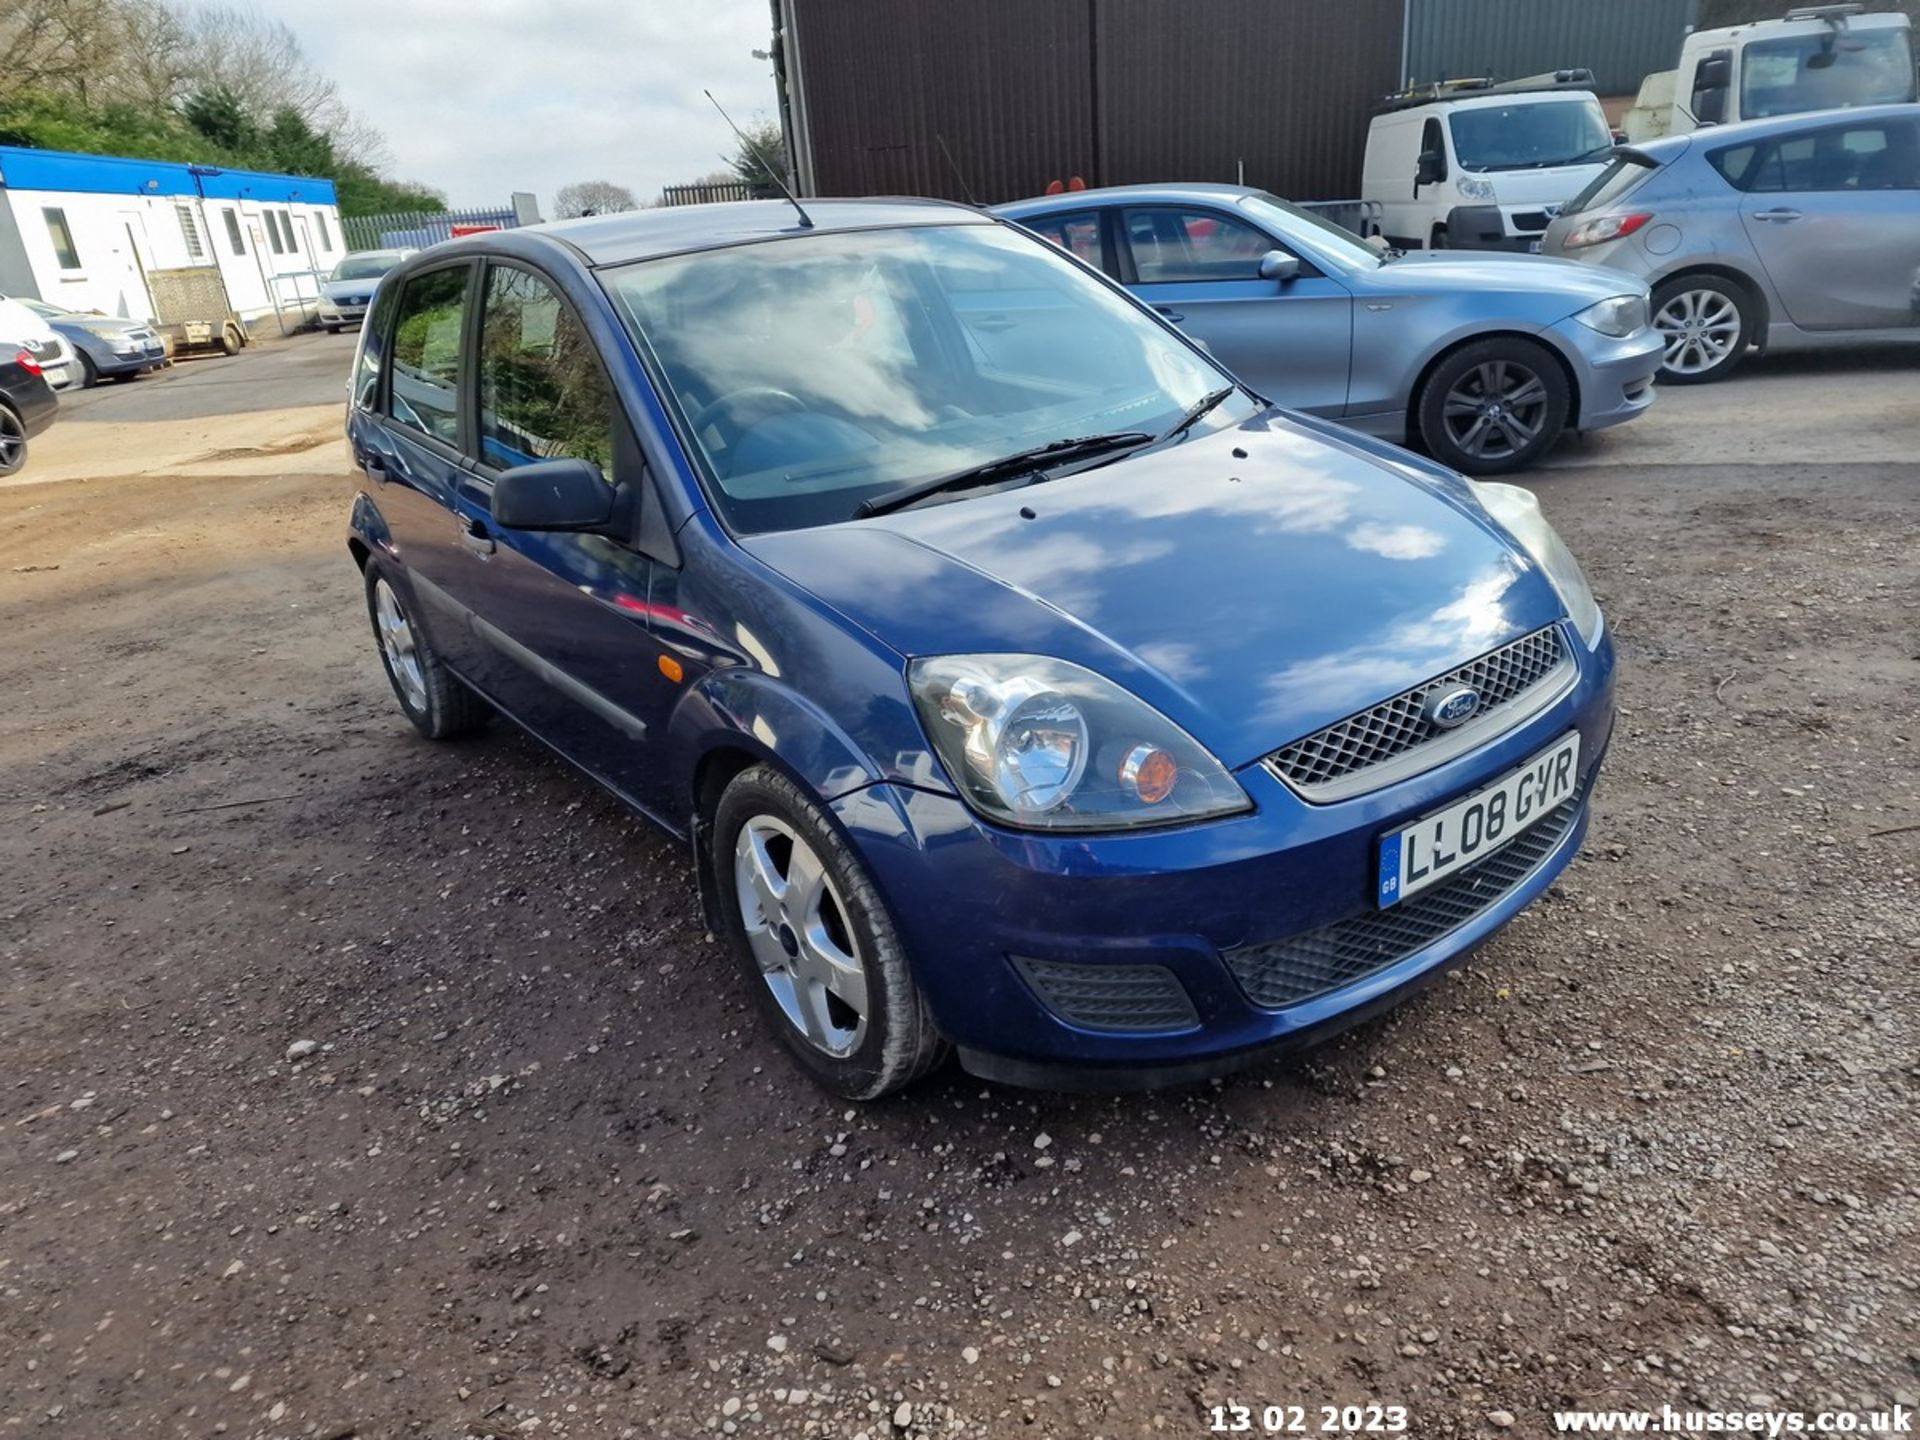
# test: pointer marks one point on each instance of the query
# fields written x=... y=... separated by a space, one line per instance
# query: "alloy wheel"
x=398 y=645
x=800 y=933
x=1496 y=409
x=13 y=442
x=1701 y=329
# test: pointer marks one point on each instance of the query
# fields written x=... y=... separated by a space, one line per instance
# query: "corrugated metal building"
x=1621 y=41
x=1001 y=97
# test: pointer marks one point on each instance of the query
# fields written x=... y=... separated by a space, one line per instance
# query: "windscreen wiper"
x=1195 y=413
x=1020 y=462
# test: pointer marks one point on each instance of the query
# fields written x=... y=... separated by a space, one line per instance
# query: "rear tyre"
x=13 y=441
x=439 y=706
x=1707 y=324
x=815 y=943
x=1494 y=406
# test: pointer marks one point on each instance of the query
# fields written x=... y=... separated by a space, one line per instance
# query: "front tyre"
x=1707 y=324
x=439 y=706
x=814 y=940
x=1494 y=406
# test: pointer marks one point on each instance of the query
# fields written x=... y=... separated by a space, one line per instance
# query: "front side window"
x=1534 y=136
x=1184 y=245
x=1078 y=234
x=62 y=237
x=816 y=372
x=190 y=232
x=238 y=245
x=425 y=388
x=1825 y=72
x=543 y=393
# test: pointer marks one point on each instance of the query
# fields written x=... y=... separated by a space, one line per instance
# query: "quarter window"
x=543 y=394
x=62 y=238
x=425 y=386
x=1191 y=245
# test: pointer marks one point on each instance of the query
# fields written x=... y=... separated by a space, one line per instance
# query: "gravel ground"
x=355 y=1086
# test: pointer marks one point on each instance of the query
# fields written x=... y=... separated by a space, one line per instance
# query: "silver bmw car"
x=1485 y=359
x=1783 y=233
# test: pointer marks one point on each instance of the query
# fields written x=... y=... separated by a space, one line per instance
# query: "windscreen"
x=1531 y=135
x=1799 y=73
x=364 y=267
x=815 y=372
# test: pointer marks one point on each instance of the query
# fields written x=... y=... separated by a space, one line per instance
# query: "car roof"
x=674 y=229
x=1111 y=194
x=1668 y=146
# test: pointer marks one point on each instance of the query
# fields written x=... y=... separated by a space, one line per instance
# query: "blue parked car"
x=1020 y=683
x=1485 y=360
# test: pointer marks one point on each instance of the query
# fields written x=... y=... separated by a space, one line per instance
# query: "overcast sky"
x=479 y=98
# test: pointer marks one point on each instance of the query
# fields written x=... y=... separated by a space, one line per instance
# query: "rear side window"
x=1883 y=155
x=425 y=387
x=1193 y=245
x=543 y=394
x=1078 y=234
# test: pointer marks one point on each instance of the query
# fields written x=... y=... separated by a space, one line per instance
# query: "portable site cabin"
x=185 y=246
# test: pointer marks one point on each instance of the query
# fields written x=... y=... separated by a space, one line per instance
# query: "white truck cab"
x=1818 y=57
x=1471 y=164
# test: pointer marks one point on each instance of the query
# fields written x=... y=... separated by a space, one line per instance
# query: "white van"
x=20 y=326
x=1483 y=166
x=1819 y=57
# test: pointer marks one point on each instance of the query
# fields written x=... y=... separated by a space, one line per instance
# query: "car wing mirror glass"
x=1279 y=265
x=565 y=494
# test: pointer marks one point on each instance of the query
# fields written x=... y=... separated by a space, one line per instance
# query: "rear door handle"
x=476 y=537
x=1170 y=313
x=1781 y=215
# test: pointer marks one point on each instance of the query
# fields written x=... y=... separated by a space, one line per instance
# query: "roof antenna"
x=806 y=221
x=951 y=165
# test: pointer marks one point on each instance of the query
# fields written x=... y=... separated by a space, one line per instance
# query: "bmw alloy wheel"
x=1496 y=409
x=13 y=442
x=1701 y=329
x=398 y=646
x=797 y=926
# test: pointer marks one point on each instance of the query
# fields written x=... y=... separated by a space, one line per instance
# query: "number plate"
x=1449 y=840
x=1533 y=247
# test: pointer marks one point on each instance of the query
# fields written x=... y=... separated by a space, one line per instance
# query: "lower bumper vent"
x=1111 y=997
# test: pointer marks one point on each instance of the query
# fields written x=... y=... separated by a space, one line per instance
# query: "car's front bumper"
x=1613 y=378
x=990 y=917
x=111 y=361
x=338 y=313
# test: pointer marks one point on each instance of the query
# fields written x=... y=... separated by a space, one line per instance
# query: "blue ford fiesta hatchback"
x=1021 y=683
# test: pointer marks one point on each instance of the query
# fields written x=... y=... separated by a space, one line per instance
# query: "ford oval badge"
x=1452 y=706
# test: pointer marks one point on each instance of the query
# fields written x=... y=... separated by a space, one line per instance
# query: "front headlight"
x=1046 y=745
x=1472 y=187
x=1518 y=511
x=1619 y=317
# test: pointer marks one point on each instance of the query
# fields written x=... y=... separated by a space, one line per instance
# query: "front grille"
x=1396 y=726
x=1290 y=971
x=1111 y=997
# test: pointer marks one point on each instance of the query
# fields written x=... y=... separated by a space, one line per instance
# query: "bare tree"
x=592 y=197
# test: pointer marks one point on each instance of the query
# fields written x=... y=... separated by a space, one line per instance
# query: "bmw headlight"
x=1046 y=745
x=1472 y=187
x=1619 y=317
x=1518 y=512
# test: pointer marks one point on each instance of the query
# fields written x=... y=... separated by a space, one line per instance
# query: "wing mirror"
x=554 y=495
x=1432 y=168
x=1278 y=265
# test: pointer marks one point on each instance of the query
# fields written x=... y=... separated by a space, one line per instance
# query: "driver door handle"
x=476 y=537
x=1170 y=313
x=1781 y=215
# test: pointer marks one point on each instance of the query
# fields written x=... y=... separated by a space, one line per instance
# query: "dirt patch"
x=1655 y=1145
